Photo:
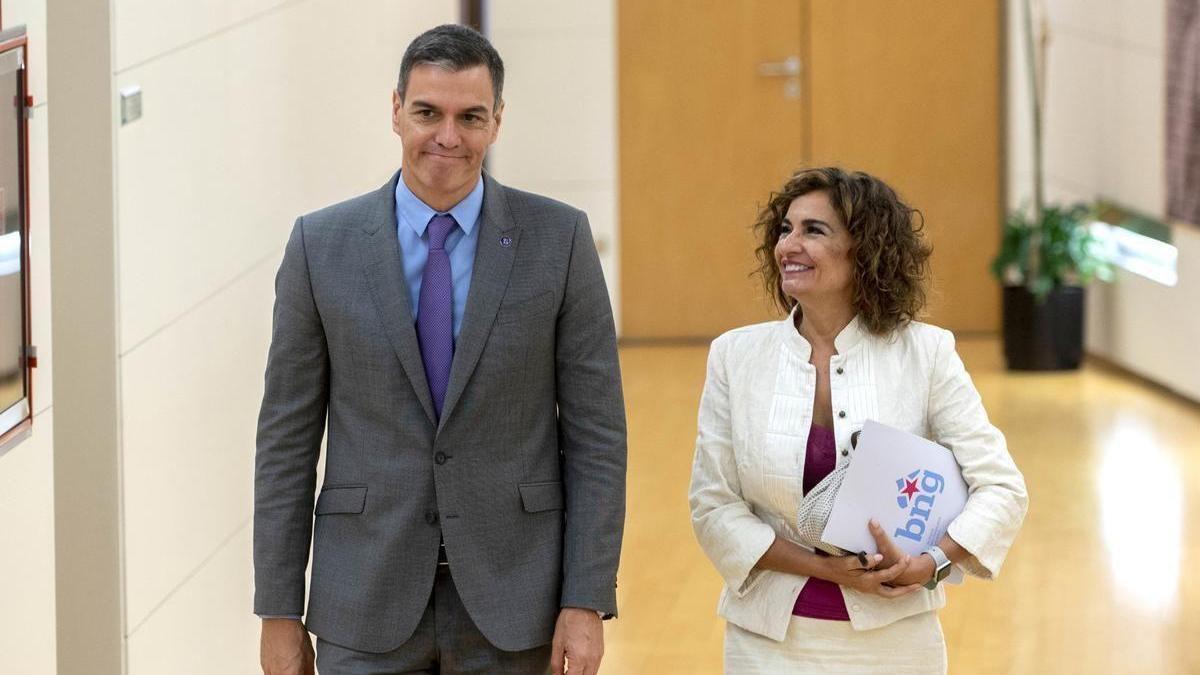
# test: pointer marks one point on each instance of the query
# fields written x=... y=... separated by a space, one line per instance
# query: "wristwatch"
x=941 y=567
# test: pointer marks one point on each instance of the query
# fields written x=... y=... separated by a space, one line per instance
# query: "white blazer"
x=752 y=435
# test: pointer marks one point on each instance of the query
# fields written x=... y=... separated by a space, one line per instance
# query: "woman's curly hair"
x=889 y=254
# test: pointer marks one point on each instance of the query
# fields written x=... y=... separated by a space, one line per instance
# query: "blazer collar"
x=384 y=269
x=849 y=337
x=499 y=240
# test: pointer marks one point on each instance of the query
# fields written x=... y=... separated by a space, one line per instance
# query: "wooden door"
x=908 y=91
x=704 y=137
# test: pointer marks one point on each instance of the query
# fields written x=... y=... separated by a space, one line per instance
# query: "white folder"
x=911 y=485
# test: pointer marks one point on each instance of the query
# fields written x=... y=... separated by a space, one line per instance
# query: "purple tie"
x=435 y=318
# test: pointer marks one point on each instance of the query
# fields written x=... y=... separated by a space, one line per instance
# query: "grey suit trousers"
x=445 y=642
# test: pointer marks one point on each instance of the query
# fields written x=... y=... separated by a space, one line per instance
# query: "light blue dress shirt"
x=412 y=219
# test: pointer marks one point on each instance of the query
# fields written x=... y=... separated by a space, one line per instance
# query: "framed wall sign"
x=17 y=354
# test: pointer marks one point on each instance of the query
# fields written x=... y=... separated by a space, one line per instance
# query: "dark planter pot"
x=1044 y=335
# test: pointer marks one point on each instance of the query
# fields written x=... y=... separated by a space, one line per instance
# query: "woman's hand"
x=849 y=571
x=917 y=572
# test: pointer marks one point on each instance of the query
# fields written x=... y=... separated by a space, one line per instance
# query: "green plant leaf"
x=1067 y=251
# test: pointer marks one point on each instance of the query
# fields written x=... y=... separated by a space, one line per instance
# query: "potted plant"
x=1046 y=258
x=1047 y=255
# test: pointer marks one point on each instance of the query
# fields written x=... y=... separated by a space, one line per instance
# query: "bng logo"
x=918 y=490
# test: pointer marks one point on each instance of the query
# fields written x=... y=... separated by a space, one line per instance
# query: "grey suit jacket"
x=524 y=476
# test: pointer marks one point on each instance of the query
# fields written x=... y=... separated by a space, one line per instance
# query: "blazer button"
x=841 y=413
x=845 y=452
x=431 y=517
x=840 y=371
x=440 y=457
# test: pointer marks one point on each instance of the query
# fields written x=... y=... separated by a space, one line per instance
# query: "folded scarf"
x=815 y=509
x=816 y=506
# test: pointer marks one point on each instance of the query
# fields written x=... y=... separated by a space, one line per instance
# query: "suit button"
x=431 y=517
x=839 y=370
x=440 y=457
x=845 y=452
x=841 y=413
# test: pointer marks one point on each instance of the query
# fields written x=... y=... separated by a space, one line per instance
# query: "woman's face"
x=813 y=252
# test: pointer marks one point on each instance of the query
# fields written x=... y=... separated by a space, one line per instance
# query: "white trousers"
x=912 y=645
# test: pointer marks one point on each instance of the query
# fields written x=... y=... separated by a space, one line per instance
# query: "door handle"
x=789 y=67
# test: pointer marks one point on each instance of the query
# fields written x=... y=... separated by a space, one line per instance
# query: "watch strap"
x=941 y=567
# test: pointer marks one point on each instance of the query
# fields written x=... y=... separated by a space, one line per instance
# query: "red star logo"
x=910 y=488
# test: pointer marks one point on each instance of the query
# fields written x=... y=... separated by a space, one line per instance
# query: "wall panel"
x=204 y=628
x=27 y=635
x=1124 y=319
x=1130 y=24
x=536 y=18
x=145 y=29
x=1135 y=173
x=558 y=123
x=1074 y=129
x=245 y=131
x=191 y=398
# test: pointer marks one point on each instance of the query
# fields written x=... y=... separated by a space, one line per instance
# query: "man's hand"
x=285 y=648
x=578 y=642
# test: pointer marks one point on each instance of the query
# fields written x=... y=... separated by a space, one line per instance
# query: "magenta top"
x=820 y=599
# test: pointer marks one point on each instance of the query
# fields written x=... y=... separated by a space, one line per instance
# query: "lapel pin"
x=506 y=241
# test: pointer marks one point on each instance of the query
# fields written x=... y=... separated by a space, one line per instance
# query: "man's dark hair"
x=453 y=47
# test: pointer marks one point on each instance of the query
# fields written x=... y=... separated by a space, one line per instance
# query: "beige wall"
x=27 y=622
x=1105 y=137
x=253 y=113
x=1104 y=103
x=559 y=134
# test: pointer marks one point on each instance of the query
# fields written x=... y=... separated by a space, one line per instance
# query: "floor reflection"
x=1140 y=491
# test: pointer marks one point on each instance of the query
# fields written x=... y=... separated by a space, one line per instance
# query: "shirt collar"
x=415 y=213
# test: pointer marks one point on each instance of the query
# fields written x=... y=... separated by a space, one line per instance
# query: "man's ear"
x=497 y=117
x=397 y=110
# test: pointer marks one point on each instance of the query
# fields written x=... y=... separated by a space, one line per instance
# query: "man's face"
x=446 y=121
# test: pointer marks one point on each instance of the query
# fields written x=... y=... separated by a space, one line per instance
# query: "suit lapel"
x=385 y=279
x=489 y=279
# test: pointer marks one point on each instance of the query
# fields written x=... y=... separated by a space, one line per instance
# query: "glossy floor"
x=1101 y=579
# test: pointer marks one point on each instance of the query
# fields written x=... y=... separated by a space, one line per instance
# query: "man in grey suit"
x=458 y=337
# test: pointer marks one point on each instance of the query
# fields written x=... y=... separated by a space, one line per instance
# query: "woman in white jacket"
x=844 y=256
